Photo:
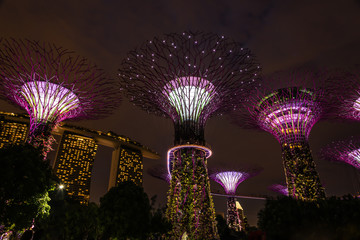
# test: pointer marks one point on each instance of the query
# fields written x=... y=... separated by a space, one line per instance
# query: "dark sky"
x=282 y=34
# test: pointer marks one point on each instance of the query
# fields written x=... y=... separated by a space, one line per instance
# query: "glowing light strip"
x=171 y=151
x=48 y=101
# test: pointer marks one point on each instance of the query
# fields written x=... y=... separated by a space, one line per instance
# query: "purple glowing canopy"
x=188 y=77
x=346 y=151
x=288 y=105
x=280 y=188
x=230 y=180
x=345 y=90
x=53 y=84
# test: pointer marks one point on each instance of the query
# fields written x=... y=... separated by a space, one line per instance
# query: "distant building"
x=73 y=164
x=126 y=165
x=77 y=151
x=12 y=131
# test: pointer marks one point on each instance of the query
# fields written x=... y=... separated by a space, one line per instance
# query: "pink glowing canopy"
x=289 y=114
x=230 y=180
x=46 y=101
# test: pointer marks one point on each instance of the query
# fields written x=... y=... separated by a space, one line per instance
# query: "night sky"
x=282 y=34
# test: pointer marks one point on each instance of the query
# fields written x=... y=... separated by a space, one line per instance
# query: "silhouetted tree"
x=25 y=179
x=332 y=218
x=125 y=212
x=70 y=220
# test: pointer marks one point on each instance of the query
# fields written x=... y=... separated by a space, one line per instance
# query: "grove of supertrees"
x=189 y=77
x=288 y=106
x=53 y=84
x=230 y=180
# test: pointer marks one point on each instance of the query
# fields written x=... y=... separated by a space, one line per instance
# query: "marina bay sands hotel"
x=76 y=153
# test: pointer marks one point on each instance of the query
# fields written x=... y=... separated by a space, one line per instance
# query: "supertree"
x=189 y=77
x=345 y=94
x=345 y=151
x=288 y=106
x=160 y=172
x=280 y=188
x=53 y=84
x=230 y=180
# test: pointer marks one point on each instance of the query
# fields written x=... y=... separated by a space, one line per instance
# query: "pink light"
x=355 y=155
x=47 y=101
x=279 y=188
x=229 y=180
x=171 y=151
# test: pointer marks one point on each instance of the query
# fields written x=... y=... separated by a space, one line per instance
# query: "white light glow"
x=47 y=100
x=355 y=154
x=356 y=105
x=189 y=95
x=229 y=180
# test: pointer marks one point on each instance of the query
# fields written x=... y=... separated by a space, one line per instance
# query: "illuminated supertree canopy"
x=230 y=180
x=189 y=77
x=53 y=84
x=280 y=188
x=288 y=106
x=345 y=92
x=346 y=151
x=160 y=172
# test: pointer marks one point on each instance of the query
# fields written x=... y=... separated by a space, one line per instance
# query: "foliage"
x=25 y=179
x=302 y=179
x=70 y=220
x=125 y=212
x=159 y=224
x=190 y=206
x=332 y=218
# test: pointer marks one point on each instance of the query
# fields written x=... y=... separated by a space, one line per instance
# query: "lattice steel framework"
x=346 y=151
x=230 y=180
x=280 y=188
x=288 y=106
x=345 y=92
x=53 y=84
x=189 y=77
x=161 y=173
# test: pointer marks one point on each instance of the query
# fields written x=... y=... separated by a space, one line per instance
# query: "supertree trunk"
x=301 y=176
x=233 y=218
x=40 y=136
x=190 y=206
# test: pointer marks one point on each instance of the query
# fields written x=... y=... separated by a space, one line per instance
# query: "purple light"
x=347 y=151
x=171 y=153
x=229 y=180
x=289 y=114
x=280 y=188
x=46 y=101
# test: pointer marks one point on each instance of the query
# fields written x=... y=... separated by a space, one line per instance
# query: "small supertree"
x=345 y=94
x=189 y=77
x=230 y=180
x=280 y=188
x=160 y=172
x=288 y=106
x=53 y=84
x=346 y=151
